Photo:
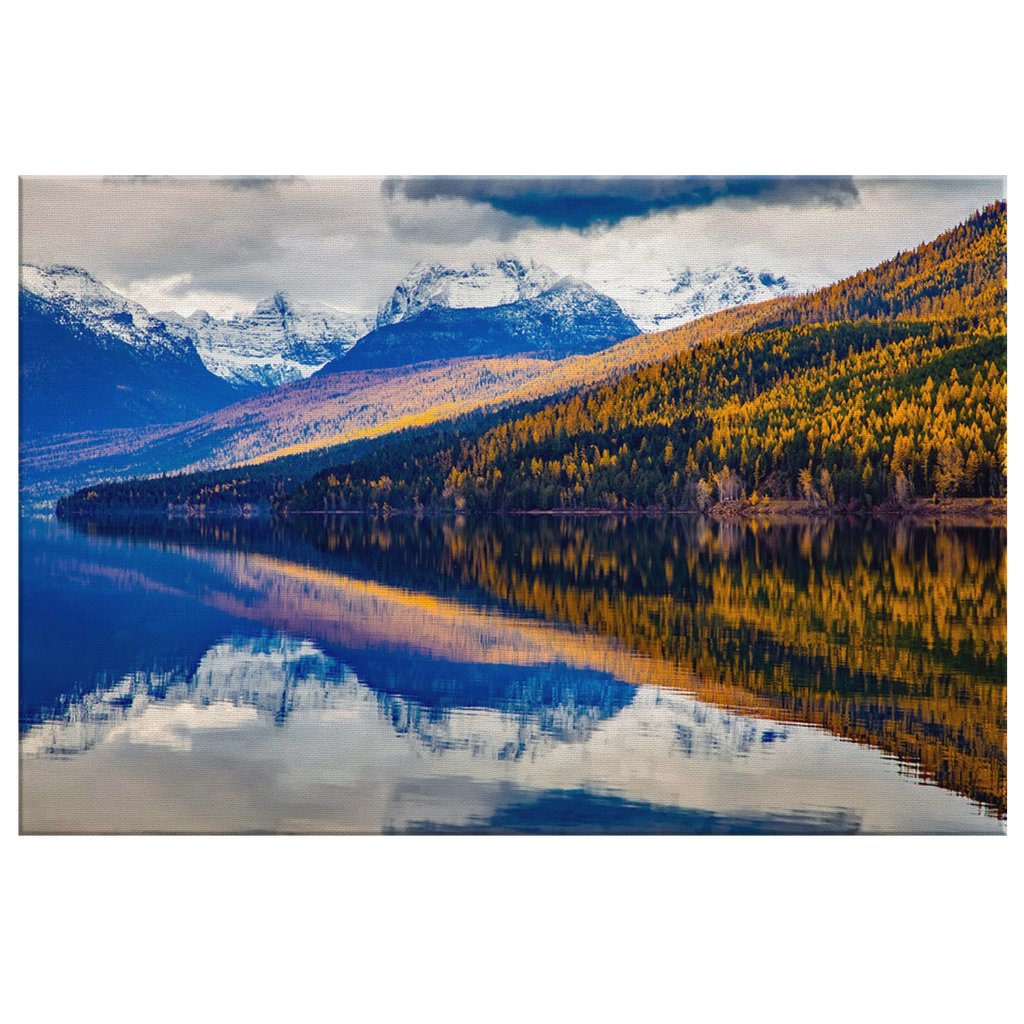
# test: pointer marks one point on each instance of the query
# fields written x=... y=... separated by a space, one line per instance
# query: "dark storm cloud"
x=580 y=202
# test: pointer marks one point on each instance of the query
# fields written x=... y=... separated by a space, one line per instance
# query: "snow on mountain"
x=479 y=286
x=664 y=300
x=283 y=340
x=567 y=318
x=77 y=297
x=279 y=342
x=90 y=359
x=674 y=298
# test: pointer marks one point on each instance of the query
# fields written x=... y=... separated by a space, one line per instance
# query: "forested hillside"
x=889 y=384
x=884 y=386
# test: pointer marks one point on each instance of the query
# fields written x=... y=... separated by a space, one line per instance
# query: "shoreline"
x=990 y=512
x=951 y=511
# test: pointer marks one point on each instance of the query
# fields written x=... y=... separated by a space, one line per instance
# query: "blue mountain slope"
x=75 y=377
x=568 y=319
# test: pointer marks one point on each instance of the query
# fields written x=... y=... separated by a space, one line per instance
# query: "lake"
x=534 y=674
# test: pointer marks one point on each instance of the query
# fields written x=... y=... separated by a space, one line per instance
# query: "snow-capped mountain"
x=279 y=342
x=479 y=286
x=674 y=298
x=283 y=340
x=90 y=359
x=568 y=317
x=665 y=300
x=77 y=297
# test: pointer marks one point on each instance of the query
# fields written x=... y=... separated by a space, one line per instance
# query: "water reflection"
x=525 y=675
x=894 y=636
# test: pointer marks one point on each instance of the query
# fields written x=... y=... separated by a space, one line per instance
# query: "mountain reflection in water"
x=511 y=675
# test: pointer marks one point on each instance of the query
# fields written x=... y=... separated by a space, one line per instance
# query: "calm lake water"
x=524 y=675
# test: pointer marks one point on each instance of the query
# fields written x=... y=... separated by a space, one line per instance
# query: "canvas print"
x=518 y=505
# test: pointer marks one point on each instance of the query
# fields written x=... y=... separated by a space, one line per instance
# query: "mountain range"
x=661 y=301
x=885 y=385
x=108 y=388
x=279 y=342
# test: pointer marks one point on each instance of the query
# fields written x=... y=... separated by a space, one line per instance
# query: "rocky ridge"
x=478 y=286
x=281 y=341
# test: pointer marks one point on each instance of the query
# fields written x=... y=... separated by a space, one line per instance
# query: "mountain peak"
x=571 y=284
x=484 y=285
x=58 y=280
x=279 y=304
x=76 y=294
x=58 y=270
x=279 y=342
x=671 y=299
x=500 y=307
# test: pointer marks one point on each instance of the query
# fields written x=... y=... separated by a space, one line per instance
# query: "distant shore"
x=950 y=511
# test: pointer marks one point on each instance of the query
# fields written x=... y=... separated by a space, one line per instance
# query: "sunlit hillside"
x=887 y=385
x=333 y=409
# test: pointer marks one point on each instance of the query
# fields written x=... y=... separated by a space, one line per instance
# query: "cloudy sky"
x=223 y=244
